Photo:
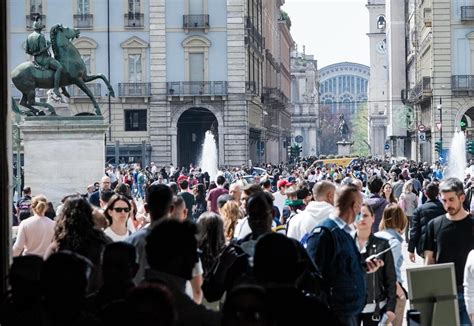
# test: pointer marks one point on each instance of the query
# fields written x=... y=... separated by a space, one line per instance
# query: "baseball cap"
x=283 y=183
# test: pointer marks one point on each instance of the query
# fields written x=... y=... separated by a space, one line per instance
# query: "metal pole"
x=440 y=119
x=18 y=157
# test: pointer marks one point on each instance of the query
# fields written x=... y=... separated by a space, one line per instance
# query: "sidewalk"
x=408 y=264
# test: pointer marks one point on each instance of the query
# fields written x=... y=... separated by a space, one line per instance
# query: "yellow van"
x=340 y=162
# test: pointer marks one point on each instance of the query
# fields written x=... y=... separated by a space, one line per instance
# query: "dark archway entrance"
x=192 y=126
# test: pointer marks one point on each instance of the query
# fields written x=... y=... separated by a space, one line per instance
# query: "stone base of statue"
x=62 y=155
x=344 y=147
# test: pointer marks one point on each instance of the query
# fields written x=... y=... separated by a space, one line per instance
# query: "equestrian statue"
x=66 y=68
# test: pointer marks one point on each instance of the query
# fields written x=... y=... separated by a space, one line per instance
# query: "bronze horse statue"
x=29 y=75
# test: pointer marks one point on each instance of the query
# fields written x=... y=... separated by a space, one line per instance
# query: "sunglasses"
x=121 y=209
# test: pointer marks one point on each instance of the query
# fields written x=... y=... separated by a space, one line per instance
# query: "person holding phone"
x=381 y=285
x=392 y=226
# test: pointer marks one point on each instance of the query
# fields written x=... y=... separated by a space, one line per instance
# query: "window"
x=134 y=68
x=83 y=7
x=36 y=6
x=87 y=61
x=196 y=66
x=134 y=6
x=196 y=55
x=135 y=120
x=195 y=7
x=134 y=56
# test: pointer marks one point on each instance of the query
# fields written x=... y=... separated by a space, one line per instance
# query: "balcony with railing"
x=197 y=88
x=467 y=13
x=462 y=83
x=76 y=92
x=252 y=35
x=30 y=19
x=134 y=89
x=195 y=21
x=274 y=97
x=421 y=91
x=134 y=20
x=83 y=21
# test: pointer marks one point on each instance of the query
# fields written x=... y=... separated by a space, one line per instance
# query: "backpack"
x=24 y=208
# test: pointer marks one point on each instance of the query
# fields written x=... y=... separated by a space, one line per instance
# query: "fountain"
x=208 y=161
x=457 y=156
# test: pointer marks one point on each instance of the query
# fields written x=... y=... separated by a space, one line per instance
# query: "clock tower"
x=378 y=86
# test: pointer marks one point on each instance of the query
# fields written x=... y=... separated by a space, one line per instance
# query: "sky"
x=332 y=30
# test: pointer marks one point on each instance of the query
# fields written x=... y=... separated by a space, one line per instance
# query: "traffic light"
x=438 y=146
x=463 y=125
x=295 y=151
x=470 y=147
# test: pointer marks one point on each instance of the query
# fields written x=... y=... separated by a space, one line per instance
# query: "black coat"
x=381 y=285
x=420 y=220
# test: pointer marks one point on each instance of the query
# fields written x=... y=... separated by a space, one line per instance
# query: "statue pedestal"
x=63 y=154
x=344 y=147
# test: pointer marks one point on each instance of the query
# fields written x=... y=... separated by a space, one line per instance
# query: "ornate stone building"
x=179 y=68
x=304 y=102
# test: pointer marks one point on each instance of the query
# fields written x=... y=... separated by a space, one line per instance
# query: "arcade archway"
x=192 y=126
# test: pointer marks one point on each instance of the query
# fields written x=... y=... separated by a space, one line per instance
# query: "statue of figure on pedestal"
x=343 y=128
x=66 y=68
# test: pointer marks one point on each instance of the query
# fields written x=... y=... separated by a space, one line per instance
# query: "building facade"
x=305 y=124
x=343 y=90
x=377 y=92
x=179 y=68
x=440 y=72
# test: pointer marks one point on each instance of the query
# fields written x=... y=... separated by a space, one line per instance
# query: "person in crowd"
x=246 y=305
x=200 y=203
x=387 y=193
x=421 y=217
x=231 y=214
x=408 y=201
x=158 y=204
x=35 y=233
x=392 y=226
x=334 y=252
x=188 y=198
x=317 y=210
x=23 y=206
x=232 y=267
x=105 y=184
x=215 y=193
x=242 y=228
x=280 y=195
x=119 y=267
x=117 y=213
x=449 y=237
x=376 y=202
x=381 y=286
x=75 y=232
x=469 y=285
x=180 y=212
x=168 y=240
x=174 y=188
x=24 y=295
x=397 y=186
x=235 y=190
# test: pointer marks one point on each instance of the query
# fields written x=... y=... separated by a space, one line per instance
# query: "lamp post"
x=440 y=108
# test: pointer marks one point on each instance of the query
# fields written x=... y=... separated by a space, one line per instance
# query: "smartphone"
x=413 y=318
x=377 y=255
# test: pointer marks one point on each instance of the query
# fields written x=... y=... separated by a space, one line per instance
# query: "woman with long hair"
x=117 y=213
x=230 y=213
x=200 y=204
x=36 y=232
x=387 y=193
x=408 y=202
x=381 y=285
x=392 y=226
x=75 y=231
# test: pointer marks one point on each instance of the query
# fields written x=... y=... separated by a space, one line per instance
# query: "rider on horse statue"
x=38 y=46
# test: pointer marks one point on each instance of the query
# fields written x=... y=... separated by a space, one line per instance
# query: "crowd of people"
x=269 y=245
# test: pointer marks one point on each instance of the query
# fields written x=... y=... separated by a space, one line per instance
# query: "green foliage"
x=360 y=131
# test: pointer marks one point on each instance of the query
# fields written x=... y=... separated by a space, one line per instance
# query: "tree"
x=360 y=131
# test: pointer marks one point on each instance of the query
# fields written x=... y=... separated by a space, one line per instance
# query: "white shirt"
x=279 y=201
x=469 y=283
x=35 y=234
x=114 y=236
x=304 y=222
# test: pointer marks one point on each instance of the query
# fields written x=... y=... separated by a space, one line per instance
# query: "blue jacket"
x=335 y=253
